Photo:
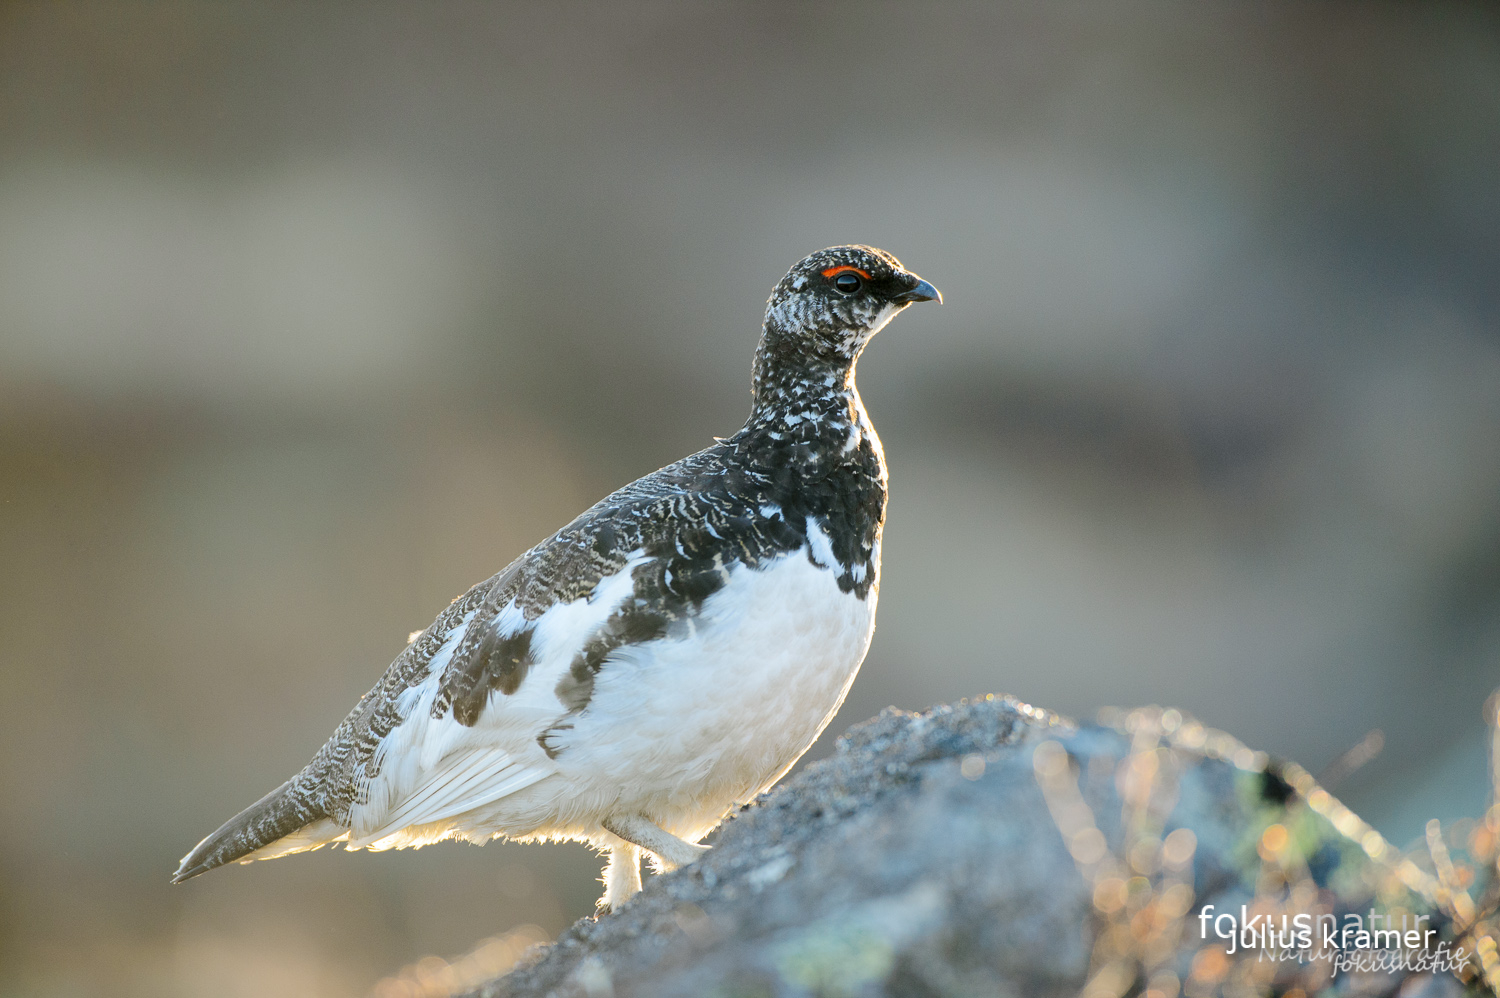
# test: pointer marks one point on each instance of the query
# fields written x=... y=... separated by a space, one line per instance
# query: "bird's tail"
x=280 y=823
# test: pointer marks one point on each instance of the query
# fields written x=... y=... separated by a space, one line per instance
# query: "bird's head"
x=824 y=311
x=836 y=299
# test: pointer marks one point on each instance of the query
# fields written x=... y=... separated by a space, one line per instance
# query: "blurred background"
x=312 y=316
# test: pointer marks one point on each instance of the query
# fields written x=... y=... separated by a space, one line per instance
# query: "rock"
x=990 y=848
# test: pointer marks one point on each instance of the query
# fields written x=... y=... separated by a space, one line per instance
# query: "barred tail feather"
x=280 y=823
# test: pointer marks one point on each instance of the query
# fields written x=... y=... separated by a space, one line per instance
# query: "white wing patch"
x=465 y=780
x=819 y=544
x=564 y=628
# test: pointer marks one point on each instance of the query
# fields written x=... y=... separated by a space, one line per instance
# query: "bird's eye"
x=847 y=283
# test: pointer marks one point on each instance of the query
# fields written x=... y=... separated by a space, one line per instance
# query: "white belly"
x=683 y=728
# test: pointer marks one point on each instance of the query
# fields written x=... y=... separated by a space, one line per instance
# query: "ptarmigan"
x=664 y=657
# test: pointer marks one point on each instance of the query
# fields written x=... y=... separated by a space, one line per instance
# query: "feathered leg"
x=622 y=877
x=672 y=851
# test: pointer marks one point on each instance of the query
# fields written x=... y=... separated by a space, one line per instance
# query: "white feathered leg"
x=622 y=877
x=672 y=851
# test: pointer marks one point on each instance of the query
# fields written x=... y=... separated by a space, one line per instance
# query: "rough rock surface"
x=989 y=848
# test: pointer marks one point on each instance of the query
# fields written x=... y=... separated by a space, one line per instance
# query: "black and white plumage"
x=664 y=657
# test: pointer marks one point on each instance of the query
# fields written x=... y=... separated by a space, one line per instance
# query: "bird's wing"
x=468 y=728
x=438 y=761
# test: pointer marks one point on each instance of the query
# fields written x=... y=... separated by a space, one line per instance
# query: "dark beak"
x=922 y=292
